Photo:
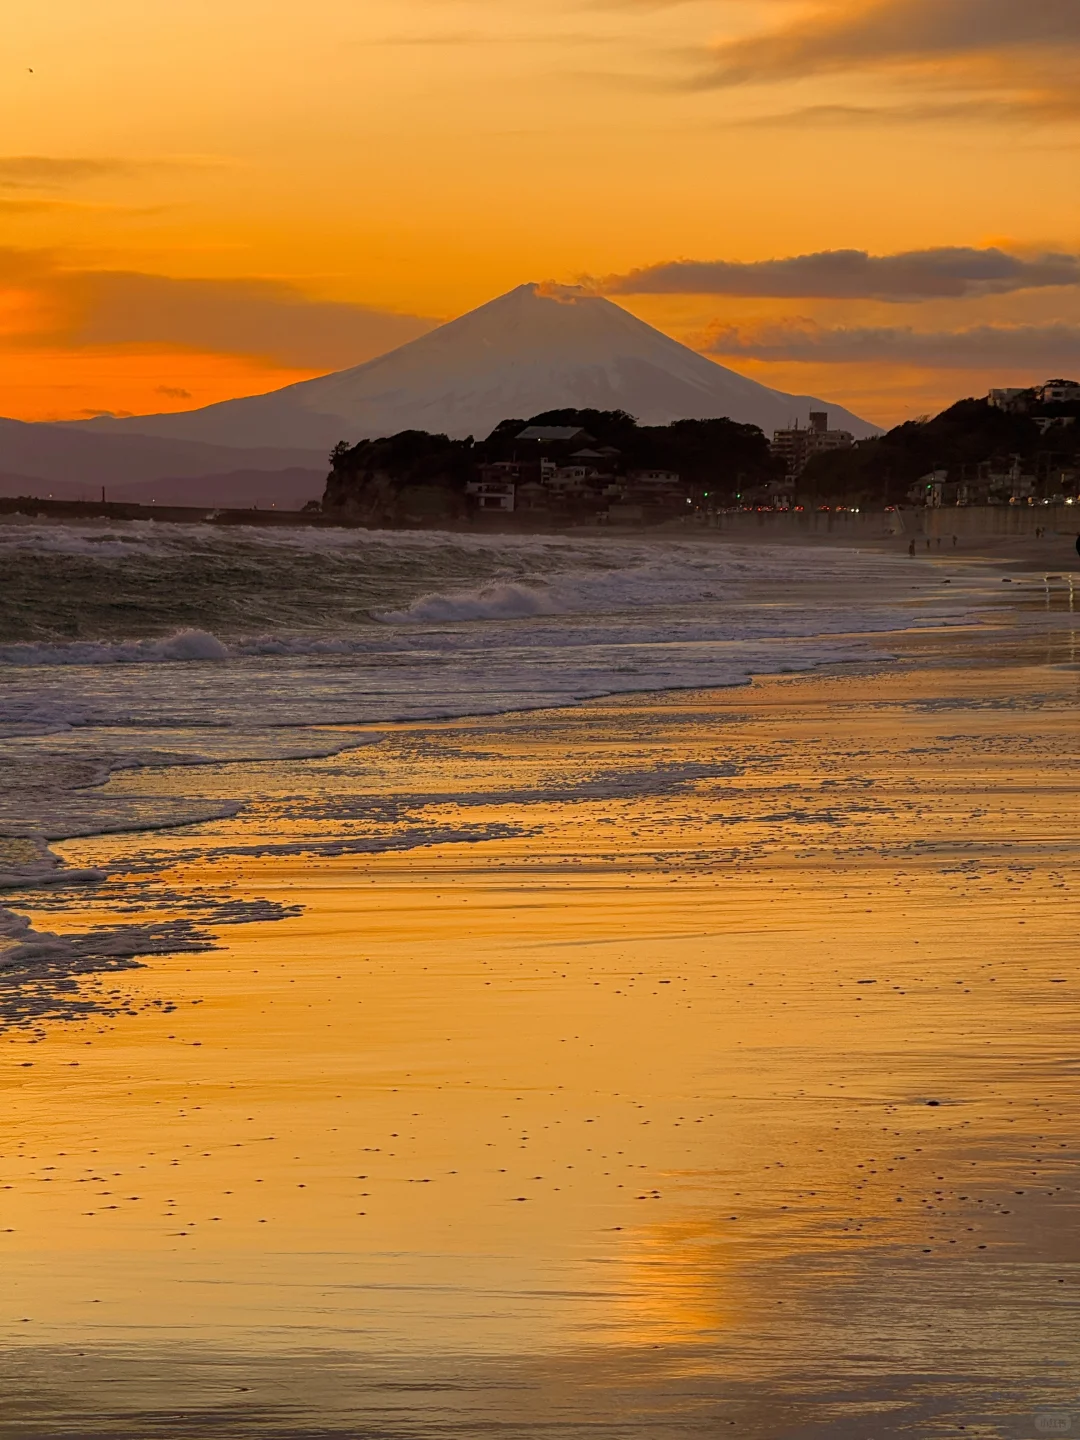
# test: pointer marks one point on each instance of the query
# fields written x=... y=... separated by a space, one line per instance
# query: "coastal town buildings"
x=562 y=469
x=991 y=482
x=796 y=446
x=973 y=454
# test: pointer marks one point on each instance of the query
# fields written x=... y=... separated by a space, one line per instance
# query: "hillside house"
x=1008 y=397
x=655 y=482
x=1060 y=392
x=495 y=487
x=556 y=435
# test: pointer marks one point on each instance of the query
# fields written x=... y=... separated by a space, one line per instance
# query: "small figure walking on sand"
x=911 y=549
x=954 y=542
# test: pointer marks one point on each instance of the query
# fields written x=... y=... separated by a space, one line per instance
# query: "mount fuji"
x=532 y=349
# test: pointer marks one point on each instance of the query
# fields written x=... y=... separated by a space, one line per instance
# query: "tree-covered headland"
x=605 y=458
x=582 y=466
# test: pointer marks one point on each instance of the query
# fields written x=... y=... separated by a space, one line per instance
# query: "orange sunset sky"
x=216 y=197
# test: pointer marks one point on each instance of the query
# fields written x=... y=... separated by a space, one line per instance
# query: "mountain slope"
x=523 y=353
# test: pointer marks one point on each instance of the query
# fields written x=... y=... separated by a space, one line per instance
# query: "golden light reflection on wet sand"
x=751 y=1056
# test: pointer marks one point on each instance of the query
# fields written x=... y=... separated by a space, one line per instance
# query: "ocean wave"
x=203 y=593
x=488 y=602
x=684 y=581
x=183 y=645
x=132 y=539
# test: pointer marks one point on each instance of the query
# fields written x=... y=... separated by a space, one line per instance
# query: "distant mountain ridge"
x=525 y=352
x=288 y=489
x=72 y=456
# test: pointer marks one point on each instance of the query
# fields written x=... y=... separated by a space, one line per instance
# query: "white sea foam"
x=32 y=714
x=275 y=635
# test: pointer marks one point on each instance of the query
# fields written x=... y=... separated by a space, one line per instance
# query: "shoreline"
x=766 y=941
x=324 y=737
x=993 y=531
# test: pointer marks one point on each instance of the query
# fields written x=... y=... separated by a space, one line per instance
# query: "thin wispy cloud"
x=1046 y=105
x=25 y=205
x=942 y=273
x=419 y=39
x=642 y=5
x=997 y=59
x=39 y=172
x=434 y=39
x=58 y=172
x=1038 y=348
x=872 y=33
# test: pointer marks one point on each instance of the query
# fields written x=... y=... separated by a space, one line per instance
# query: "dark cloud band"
x=944 y=273
x=267 y=319
x=1031 y=348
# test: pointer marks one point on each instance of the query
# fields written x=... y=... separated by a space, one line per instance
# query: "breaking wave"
x=490 y=602
x=184 y=645
x=684 y=580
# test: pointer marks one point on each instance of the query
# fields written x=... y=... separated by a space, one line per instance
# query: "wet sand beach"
x=676 y=1064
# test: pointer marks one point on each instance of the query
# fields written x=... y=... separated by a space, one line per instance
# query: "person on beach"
x=911 y=549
